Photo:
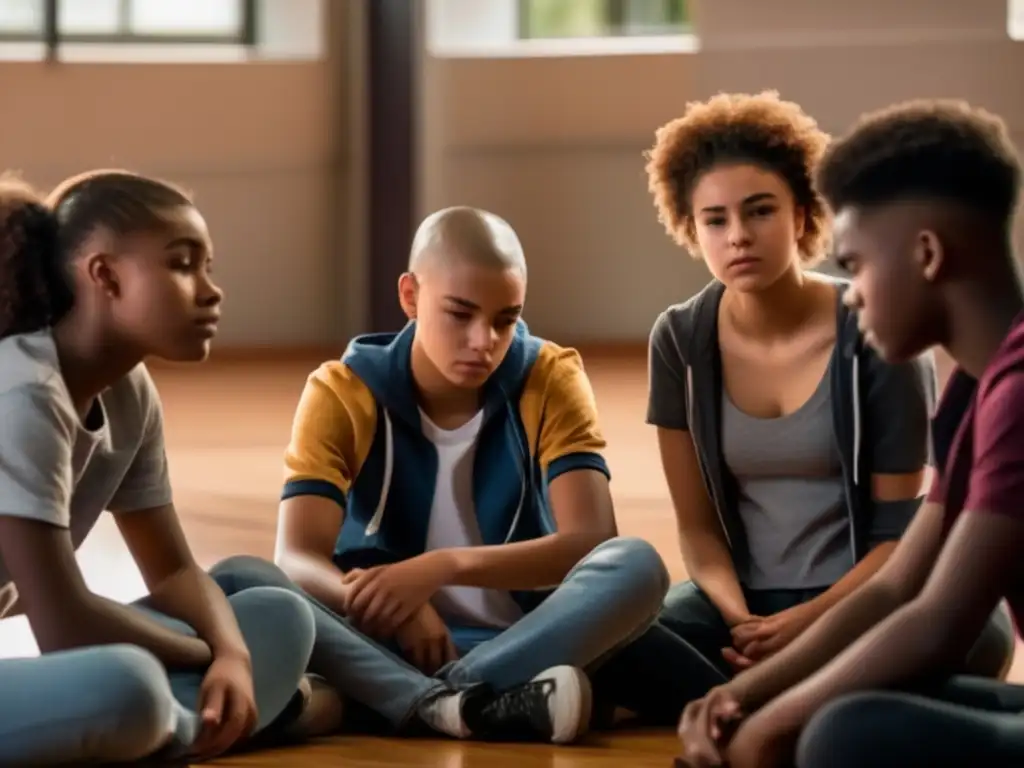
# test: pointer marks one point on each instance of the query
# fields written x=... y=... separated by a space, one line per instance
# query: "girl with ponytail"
x=113 y=268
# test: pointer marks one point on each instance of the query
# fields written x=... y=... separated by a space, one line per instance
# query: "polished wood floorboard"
x=227 y=424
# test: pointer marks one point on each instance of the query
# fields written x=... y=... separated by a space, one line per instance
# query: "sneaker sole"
x=574 y=694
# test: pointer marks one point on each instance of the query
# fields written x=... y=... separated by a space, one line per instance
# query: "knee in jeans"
x=247 y=571
x=640 y=564
x=282 y=612
x=144 y=702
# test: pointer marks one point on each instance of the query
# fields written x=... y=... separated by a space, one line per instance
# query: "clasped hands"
x=715 y=730
x=393 y=602
x=756 y=638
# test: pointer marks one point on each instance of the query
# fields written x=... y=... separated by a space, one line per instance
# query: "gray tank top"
x=791 y=497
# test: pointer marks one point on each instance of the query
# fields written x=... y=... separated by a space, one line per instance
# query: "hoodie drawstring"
x=526 y=477
x=389 y=467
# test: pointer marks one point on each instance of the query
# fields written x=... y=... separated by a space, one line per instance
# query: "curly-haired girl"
x=113 y=268
x=794 y=456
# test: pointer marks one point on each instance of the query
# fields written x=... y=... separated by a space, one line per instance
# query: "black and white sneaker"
x=554 y=706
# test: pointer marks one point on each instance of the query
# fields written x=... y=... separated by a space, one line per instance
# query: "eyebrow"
x=750 y=199
x=190 y=242
x=513 y=310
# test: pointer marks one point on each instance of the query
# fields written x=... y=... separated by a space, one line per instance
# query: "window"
x=547 y=19
x=1015 y=19
x=129 y=21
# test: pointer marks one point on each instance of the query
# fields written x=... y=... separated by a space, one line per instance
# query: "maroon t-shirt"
x=978 y=434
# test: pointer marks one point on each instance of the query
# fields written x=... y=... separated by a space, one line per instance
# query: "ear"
x=101 y=274
x=929 y=254
x=799 y=221
x=408 y=293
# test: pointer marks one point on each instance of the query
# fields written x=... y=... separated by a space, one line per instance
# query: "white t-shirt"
x=56 y=469
x=453 y=524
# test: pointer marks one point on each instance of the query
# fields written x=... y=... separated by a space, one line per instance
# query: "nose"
x=209 y=293
x=852 y=297
x=482 y=337
x=738 y=233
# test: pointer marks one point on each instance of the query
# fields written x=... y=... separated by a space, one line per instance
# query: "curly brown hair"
x=736 y=127
x=932 y=149
x=38 y=235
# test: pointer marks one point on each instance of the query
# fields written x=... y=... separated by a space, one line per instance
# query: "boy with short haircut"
x=446 y=493
x=924 y=195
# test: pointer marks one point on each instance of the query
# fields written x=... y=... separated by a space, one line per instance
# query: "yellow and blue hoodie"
x=357 y=439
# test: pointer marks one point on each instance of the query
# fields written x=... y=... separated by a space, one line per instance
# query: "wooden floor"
x=227 y=424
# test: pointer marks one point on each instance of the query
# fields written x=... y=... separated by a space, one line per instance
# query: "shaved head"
x=464 y=234
x=465 y=289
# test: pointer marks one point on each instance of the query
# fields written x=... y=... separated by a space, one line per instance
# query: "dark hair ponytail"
x=34 y=288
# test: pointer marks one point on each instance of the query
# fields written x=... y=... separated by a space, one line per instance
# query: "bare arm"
x=973 y=569
x=177 y=585
x=933 y=632
x=898 y=581
x=307 y=529
x=64 y=614
x=582 y=504
x=701 y=538
x=335 y=415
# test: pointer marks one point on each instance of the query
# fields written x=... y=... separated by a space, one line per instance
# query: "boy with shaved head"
x=447 y=506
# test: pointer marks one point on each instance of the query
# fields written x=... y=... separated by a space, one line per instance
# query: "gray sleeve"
x=666 y=374
x=147 y=483
x=900 y=401
x=35 y=457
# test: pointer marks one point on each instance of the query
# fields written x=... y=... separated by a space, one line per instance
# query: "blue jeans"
x=606 y=601
x=109 y=703
x=279 y=632
x=118 y=703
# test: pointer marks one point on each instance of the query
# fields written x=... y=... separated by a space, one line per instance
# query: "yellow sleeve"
x=331 y=434
x=558 y=403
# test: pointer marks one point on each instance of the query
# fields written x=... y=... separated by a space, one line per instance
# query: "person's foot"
x=443 y=713
x=555 y=707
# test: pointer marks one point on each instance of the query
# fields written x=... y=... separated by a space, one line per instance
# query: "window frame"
x=51 y=34
x=615 y=13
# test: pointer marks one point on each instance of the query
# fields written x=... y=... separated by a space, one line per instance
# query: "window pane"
x=186 y=17
x=654 y=17
x=564 y=18
x=21 y=16
x=89 y=17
